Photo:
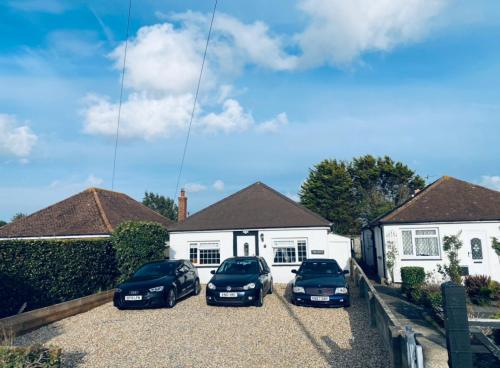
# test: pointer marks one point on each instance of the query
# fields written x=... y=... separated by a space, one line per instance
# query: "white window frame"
x=295 y=246
x=414 y=236
x=205 y=245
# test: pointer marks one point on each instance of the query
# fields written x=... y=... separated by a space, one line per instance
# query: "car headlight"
x=341 y=290
x=249 y=286
x=298 y=289
x=156 y=289
x=211 y=286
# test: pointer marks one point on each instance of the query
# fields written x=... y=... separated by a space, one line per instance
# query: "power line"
x=121 y=96
x=195 y=100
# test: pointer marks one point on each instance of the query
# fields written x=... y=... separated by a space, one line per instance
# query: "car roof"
x=244 y=257
x=319 y=260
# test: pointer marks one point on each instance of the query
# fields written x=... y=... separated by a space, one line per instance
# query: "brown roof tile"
x=255 y=207
x=447 y=200
x=91 y=212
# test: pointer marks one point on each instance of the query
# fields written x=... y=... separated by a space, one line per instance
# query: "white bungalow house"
x=255 y=221
x=416 y=229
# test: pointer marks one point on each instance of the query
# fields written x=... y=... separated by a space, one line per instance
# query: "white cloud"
x=163 y=65
x=340 y=31
x=293 y=197
x=274 y=124
x=492 y=182
x=15 y=139
x=218 y=185
x=194 y=187
x=93 y=181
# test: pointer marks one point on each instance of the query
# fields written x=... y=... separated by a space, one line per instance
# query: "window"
x=420 y=242
x=290 y=250
x=204 y=253
x=476 y=248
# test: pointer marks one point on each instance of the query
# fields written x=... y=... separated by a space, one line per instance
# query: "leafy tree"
x=2 y=223
x=329 y=191
x=136 y=243
x=163 y=205
x=452 y=270
x=18 y=216
x=351 y=194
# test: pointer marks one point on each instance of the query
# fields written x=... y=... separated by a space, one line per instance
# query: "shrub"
x=478 y=288
x=34 y=356
x=413 y=278
x=137 y=243
x=452 y=270
x=432 y=299
x=46 y=272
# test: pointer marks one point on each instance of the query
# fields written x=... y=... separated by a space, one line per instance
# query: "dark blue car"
x=320 y=282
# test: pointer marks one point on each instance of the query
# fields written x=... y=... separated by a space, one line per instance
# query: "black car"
x=240 y=281
x=320 y=282
x=158 y=284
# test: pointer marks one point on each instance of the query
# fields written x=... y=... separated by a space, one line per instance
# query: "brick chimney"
x=182 y=213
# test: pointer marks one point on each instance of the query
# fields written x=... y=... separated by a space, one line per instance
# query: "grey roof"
x=255 y=207
x=447 y=200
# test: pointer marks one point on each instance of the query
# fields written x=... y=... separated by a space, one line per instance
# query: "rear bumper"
x=339 y=300
x=246 y=297
x=148 y=300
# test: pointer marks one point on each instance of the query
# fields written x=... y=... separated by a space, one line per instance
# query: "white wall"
x=491 y=261
x=318 y=239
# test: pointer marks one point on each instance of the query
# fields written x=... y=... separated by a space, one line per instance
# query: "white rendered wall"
x=491 y=261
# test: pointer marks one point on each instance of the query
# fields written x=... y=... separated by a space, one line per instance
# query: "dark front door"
x=245 y=243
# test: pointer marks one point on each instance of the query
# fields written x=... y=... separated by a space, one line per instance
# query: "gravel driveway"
x=195 y=335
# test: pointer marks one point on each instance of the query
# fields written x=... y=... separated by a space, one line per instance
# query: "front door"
x=477 y=248
x=246 y=245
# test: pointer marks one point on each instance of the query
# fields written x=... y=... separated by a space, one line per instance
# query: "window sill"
x=206 y=266
x=421 y=258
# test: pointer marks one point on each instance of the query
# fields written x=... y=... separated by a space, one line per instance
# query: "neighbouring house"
x=415 y=230
x=89 y=214
x=259 y=221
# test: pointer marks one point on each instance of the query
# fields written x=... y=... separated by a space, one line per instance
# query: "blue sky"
x=287 y=84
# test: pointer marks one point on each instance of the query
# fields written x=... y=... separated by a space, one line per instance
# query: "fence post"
x=396 y=341
x=371 y=309
x=457 y=326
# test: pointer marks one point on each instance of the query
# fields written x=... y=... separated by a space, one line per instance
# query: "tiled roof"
x=255 y=207
x=447 y=200
x=91 y=212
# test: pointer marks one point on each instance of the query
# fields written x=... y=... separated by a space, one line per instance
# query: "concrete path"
x=432 y=341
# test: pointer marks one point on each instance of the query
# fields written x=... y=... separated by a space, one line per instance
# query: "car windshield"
x=239 y=267
x=156 y=269
x=319 y=268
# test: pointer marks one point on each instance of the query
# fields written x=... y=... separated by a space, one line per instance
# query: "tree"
x=351 y=194
x=136 y=243
x=163 y=205
x=329 y=191
x=2 y=223
x=18 y=216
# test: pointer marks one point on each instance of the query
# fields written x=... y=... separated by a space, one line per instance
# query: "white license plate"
x=320 y=298
x=133 y=297
x=228 y=295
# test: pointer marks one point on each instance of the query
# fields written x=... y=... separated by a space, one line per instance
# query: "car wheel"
x=171 y=298
x=260 y=299
x=347 y=305
x=270 y=288
x=197 y=287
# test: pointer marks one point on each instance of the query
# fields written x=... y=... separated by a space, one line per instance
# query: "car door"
x=265 y=275
x=190 y=275
x=180 y=278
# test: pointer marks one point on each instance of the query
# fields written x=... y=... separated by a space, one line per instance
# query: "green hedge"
x=137 y=243
x=46 y=272
x=412 y=278
x=35 y=356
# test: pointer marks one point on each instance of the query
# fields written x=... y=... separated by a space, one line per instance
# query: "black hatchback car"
x=240 y=281
x=158 y=284
x=320 y=282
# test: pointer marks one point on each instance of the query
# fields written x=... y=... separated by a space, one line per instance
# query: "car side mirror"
x=212 y=272
x=345 y=272
x=294 y=271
